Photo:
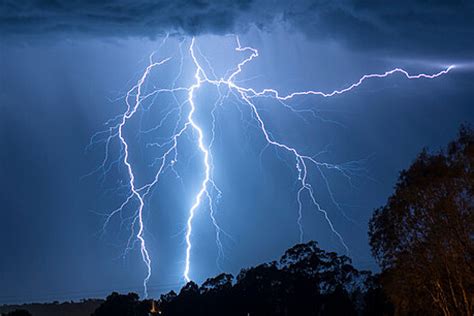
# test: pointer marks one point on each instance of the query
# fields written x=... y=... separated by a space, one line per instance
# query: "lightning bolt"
x=188 y=123
x=131 y=110
x=205 y=153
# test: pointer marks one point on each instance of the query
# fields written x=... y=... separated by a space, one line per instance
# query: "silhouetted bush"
x=18 y=312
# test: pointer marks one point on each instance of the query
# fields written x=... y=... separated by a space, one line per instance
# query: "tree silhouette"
x=259 y=290
x=375 y=300
x=123 y=305
x=318 y=282
x=216 y=294
x=306 y=281
x=18 y=312
x=220 y=283
x=423 y=238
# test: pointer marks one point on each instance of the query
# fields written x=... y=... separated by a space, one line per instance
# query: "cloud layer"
x=404 y=25
x=119 y=18
x=416 y=26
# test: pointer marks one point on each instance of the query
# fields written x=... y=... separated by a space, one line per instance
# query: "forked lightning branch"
x=187 y=124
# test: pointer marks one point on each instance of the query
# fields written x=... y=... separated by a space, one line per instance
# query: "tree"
x=423 y=238
x=259 y=290
x=123 y=305
x=216 y=295
x=375 y=301
x=187 y=302
x=220 y=283
x=318 y=282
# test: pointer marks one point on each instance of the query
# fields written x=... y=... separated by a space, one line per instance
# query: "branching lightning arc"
x=186 y=122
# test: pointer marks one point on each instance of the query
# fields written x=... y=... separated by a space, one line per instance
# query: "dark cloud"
x=405 y=25
x=408 y=26
x=119 y=18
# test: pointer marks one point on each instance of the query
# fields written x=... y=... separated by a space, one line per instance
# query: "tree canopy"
x=305 y=281
x=423 y=238
x=123 y=305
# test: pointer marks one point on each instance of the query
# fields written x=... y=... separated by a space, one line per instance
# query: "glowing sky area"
x=77 y=207
x=183 y=116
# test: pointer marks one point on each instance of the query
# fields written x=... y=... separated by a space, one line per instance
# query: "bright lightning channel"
x=169 y=158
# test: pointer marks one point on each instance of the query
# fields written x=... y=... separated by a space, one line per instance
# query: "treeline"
x=305 y=281
x=81 y=308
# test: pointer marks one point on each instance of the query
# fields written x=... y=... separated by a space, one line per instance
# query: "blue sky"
x=58 y=89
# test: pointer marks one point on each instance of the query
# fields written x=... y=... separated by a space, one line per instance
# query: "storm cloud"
x=407 y=26
x=119 y=18
x=411 y=27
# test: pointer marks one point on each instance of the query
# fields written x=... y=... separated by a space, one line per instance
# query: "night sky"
x=65 y=67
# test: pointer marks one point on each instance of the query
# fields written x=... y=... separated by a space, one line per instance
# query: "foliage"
x=423 y=238
x=123 y=305
x=306 y=281
x=81 y=308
